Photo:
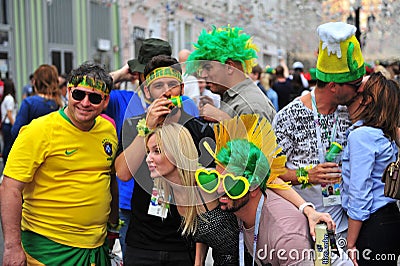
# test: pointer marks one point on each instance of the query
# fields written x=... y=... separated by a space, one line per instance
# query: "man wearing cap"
x=153 y=236
x=59 y=194
x=223 y=57
x=298 y=67
x=308 y=126
x=150 y=48
x=124 y=104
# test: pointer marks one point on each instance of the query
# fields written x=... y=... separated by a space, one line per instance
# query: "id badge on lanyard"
x=330 y=192
x=158 y=207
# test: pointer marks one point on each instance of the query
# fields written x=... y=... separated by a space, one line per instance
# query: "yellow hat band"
x=163 y=72
x=89 y=83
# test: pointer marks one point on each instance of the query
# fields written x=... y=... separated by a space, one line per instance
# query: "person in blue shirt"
x=27 y=90
x=47 y=98
x=257 y=76
x=374 y=220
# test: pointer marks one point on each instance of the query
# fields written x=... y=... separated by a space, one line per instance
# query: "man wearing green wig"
x=223 y=57
x=272 y=228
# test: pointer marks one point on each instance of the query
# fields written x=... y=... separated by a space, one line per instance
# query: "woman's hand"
x=315 y=217
x=352 y=251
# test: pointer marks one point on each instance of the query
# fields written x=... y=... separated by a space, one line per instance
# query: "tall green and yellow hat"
x=340 y=59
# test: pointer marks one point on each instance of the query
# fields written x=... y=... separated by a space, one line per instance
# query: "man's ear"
x=233 y=66
x=230 y=66
x=146 y=92
x=141 y=77
x=332 y=86
x=106 y=101
x=254 y=193
x=182 y=89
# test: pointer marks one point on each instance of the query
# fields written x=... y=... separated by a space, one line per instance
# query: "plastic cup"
x=334 y=150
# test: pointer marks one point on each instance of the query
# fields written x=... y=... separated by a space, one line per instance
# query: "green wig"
x=222 y=44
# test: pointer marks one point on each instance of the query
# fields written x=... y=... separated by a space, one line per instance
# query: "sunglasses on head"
x=235 y=186
x=79 y=95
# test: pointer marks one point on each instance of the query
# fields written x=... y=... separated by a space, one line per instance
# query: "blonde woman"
x=173 y=156
x=172 y=161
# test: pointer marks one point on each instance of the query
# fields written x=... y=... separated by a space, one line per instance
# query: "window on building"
x=188 y=36
x=4 y=39
x=3 y=12
x=138 y=37
x=56 y=60
x=100 y=22
x=60 y=25
x=4 y=65
x=63 y=60
x=61 y=35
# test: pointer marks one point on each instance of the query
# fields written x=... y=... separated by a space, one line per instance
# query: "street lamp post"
x=357 y=24
x=356 y=6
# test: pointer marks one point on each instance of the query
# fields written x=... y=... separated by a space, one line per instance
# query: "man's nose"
x=85 y=101
x=220 y=189
x=204 y=73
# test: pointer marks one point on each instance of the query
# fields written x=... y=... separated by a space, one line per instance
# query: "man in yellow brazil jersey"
x=61 y=169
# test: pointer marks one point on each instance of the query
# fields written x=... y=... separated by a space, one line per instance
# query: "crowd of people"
x=208 y=151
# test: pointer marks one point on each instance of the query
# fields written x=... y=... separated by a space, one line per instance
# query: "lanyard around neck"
x=318 y=124
x=255 y=236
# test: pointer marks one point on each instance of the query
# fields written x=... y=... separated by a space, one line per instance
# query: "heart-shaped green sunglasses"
x=235 y=186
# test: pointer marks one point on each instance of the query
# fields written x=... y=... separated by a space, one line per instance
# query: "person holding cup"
x=309 y=125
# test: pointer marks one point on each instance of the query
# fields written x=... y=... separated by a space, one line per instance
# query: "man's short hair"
x=279 y=71
x=162 y=61
x=93 y=71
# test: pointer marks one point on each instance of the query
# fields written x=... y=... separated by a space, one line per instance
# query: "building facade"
x=180 y=22
x=63 y=33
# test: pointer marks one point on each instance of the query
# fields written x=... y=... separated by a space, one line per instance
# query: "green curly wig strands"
x=243 y=158
x=222 y=44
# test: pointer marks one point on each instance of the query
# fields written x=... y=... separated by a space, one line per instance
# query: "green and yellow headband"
x=163 y=72
x=89 y=83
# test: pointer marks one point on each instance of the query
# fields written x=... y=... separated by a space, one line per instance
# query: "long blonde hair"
x=176 y=143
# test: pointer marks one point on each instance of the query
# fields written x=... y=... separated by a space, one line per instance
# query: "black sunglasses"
x=355 y=86
x=79 y=95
